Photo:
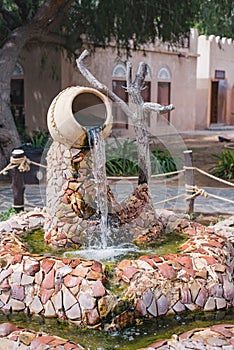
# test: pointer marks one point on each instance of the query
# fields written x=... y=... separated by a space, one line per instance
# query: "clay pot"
x=76 y=109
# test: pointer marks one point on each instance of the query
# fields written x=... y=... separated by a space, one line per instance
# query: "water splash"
x=97 y=147
x=110 y=253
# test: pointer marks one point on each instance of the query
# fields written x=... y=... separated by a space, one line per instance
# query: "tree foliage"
x=216 y=17
x=102 y=20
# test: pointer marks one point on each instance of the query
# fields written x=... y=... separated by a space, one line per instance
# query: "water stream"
x=97 y=148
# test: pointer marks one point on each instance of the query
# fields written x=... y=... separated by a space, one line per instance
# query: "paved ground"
x=202 y=143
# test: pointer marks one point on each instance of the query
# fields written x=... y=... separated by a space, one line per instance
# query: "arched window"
x=164 y=73
x=119 y=70
x=118 y=86
x=146 y=93
x=18 y=71
x=17 y=96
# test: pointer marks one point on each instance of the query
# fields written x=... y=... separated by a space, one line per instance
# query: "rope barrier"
x=209 y=175
x=201 y=192
x=195 y=191
x=168 y=174
x=23 y=165
x=170 y=199
x=152 y=176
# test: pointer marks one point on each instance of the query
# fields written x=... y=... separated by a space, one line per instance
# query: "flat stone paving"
x=35 y=196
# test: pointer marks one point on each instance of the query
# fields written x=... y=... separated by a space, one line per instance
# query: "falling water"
x=97 y=146
x=108 y=241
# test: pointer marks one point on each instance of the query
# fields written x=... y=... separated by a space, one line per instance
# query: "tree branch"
x=99 y=86
x=156 y=107
x=129 y=74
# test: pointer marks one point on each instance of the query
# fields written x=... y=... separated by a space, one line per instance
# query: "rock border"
x=200 y=277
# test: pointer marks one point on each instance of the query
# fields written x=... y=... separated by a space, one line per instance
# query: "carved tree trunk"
x=134 y=91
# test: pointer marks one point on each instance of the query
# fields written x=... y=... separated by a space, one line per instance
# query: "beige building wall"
x=190 y=73
x=181 y=66
x=215 y=54
x=42 y=81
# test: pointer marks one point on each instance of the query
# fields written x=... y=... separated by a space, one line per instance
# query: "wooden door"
x=146 y=95
x=17 y=102
x=118 y=87
x=164 y=96
x=218 y=102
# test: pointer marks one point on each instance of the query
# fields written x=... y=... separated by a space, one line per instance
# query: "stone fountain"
x=198 y=277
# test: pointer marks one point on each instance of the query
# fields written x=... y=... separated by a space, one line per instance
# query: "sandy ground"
x=203 y=147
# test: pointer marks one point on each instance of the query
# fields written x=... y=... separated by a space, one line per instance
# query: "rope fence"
x=21 y=164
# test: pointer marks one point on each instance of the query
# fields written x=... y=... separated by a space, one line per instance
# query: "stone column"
x=62 y=223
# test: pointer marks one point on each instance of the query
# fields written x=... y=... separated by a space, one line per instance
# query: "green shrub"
x=224 y=167
x=162 y=162
x=4 y=215
x=122 y=159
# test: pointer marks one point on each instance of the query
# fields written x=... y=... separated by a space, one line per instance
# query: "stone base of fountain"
x=199 y=278
x=211 y=338
x=72 y=216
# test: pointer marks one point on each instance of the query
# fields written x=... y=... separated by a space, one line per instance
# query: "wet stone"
x=74 y=312
x=36 y=305
x=17 y=292
x=7 y=328
x=129 y=272
x=210 y=304
x=141 y=308
x=45 y=295
x=98 y=289
x=167 y=271
x=72 y=281
x=162 y=305
x=26 y=279
x=220 y=303
x=147 y=297
x=202 y=297
x=86 y=302
x=49 y=280
x=31 y=266
x=179 y=307
x=105 y=305
x=215 y=341
x=152 y=309
x=92 y=316
x=49 y=309
x=68 y=298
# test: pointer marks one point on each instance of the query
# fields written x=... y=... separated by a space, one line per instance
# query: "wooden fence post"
x=18 y=183
x=189 y=179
